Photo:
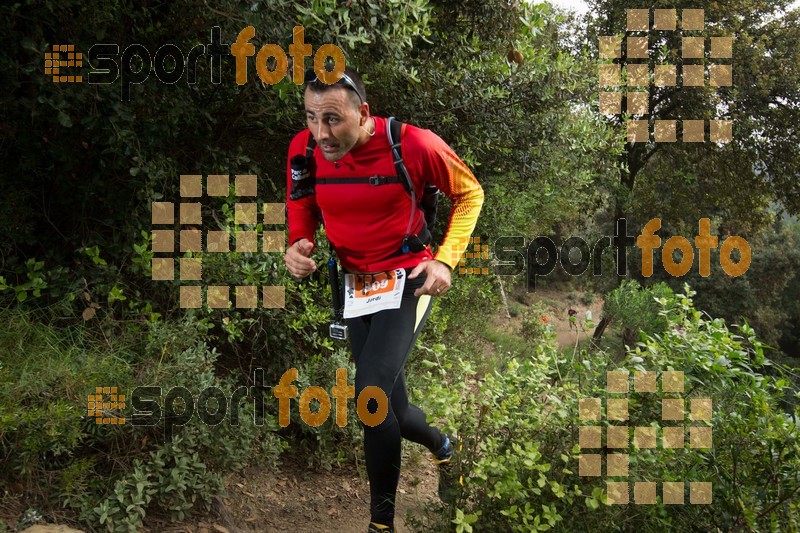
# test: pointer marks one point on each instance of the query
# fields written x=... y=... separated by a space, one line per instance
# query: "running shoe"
x=448 y=463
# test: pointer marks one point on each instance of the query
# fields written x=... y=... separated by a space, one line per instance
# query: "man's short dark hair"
x=357 y=87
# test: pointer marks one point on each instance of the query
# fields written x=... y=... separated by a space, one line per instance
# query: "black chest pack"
x=304 y=182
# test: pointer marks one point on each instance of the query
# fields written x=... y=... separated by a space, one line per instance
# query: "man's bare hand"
x=438 y=281
x=297 y=259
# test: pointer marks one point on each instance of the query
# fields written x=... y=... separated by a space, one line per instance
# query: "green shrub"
x=519 y=426
x=112 y=475
x=513 y=479
x=755 y=459
x=588 y=298
x=535 y=323
x=328 y=444
x=635 y=309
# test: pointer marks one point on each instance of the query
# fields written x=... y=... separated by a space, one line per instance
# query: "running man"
x=379 y=235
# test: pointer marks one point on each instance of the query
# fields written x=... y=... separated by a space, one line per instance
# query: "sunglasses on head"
x=345 y=81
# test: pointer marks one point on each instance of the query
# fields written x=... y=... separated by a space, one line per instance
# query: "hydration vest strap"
x=394 y=129
x=310 y=145
x=372 y=180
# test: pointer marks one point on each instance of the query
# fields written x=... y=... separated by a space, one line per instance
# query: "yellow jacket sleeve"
x=428 y=155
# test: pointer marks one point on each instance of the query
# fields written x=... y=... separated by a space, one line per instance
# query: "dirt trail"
x=559 y=322
x=557 y=303
x=295 y=499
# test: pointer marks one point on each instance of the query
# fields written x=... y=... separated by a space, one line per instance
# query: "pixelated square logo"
x=104 y=406
x=622 y=440
x=58 y=62
x=191 y=239
x=626 y=76
x=475 y=250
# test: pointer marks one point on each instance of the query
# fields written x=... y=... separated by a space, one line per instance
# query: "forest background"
x=514 y=89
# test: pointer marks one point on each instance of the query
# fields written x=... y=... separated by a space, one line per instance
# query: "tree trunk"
x=627 y=177
x=601 y=327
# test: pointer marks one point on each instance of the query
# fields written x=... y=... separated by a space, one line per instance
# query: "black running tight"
x=381 y=343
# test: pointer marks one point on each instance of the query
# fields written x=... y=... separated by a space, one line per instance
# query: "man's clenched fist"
x=297 y=259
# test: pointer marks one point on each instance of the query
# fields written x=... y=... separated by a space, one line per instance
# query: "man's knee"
x=406 y=427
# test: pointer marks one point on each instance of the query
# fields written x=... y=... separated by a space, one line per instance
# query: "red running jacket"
x=366 y=223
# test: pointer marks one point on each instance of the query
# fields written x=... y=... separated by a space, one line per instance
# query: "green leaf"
x=64 y=119
x=27 y=44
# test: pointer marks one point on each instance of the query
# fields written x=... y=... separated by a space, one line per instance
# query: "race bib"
x=369 y=293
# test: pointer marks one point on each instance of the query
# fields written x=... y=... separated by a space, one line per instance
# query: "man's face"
x=334 y=120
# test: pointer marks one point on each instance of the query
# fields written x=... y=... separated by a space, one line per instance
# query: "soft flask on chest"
x=302 y=177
